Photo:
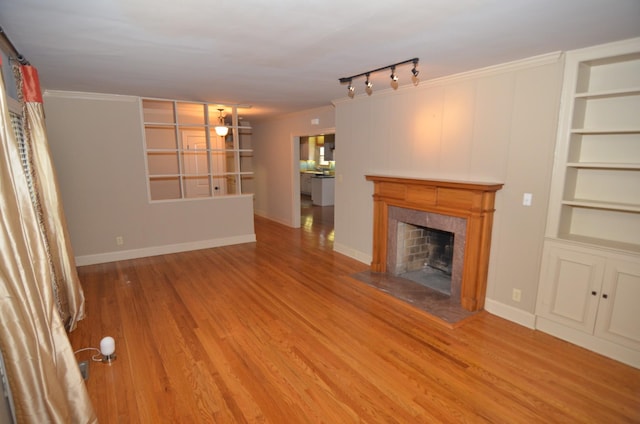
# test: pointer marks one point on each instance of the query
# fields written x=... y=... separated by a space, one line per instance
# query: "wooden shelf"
x=632 y=91
x=595 y=204
x=609 y=244
x=604 y=165
x=635 y=130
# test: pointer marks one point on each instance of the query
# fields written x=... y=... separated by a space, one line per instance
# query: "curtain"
x=42 y=371
x=46 y=198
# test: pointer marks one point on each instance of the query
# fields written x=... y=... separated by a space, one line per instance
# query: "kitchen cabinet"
x=305 y=183
x=322 y=190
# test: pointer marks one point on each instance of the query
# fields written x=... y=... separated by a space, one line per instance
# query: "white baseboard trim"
x=510 y=313
x=262 y=214
x=352 y=253
x=595 y=344
x=161 y=250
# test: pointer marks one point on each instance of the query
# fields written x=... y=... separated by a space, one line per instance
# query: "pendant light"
x=221 y=129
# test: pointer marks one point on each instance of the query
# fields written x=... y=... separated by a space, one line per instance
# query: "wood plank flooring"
x=278 y=332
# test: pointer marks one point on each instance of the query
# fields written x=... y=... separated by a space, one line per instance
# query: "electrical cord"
x=95 y=358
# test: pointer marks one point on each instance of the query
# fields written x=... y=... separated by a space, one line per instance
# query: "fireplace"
x=463 y=209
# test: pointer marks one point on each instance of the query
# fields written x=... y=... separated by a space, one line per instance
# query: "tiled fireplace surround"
x=463 y=208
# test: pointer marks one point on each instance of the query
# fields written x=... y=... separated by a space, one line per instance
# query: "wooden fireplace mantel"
x=470 y=200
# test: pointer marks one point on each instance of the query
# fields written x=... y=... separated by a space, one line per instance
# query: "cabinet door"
x=570 y=287
x=618 y=314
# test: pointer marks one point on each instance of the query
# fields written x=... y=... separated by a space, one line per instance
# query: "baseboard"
x=352 y=253
x=262 y=214
x=161 y=250
x=603 y=347
x=510 y=313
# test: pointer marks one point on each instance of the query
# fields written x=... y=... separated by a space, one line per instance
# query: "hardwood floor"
x=278 y=332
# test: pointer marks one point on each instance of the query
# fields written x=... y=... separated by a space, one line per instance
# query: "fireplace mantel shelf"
x=470 y=200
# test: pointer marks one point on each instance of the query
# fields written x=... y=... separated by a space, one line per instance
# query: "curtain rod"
x=7 y=42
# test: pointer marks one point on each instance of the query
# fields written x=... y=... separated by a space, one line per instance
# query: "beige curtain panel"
x=42 y=371
x=69 y=296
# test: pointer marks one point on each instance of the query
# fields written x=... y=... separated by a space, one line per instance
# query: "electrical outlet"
x=119 y=240
x=516 y=295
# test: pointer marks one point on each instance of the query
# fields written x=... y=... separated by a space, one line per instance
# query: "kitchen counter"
x=322 y=190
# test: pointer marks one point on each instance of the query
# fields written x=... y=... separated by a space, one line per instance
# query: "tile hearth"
x=435 y=303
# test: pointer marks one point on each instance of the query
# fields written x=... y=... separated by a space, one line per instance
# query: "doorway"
x=313 y=163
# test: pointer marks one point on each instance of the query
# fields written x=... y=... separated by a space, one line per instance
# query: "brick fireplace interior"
x=427 y=248
x=424 y=255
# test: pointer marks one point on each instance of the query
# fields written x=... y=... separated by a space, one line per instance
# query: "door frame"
x=295 y=170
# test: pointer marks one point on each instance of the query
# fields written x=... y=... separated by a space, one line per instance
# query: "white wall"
x=96 y=144
x=491 y=125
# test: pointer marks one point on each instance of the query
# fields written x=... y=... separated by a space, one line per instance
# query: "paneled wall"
x=492 y=125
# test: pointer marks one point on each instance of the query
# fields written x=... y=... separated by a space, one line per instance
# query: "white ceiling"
x=286 y=55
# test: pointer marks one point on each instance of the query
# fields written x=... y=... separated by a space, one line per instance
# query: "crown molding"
x=89 y=96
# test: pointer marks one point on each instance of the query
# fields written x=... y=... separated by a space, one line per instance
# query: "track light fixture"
x=393 y=76
x=351 y=89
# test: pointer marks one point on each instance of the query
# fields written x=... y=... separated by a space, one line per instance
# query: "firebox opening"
x=425 y=256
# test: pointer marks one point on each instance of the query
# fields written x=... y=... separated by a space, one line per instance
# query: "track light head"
x=368 y=83
x=351 y=90
x=393 y=75
x=414 y=71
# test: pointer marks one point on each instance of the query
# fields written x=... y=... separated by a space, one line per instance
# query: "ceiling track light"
x=393 y=76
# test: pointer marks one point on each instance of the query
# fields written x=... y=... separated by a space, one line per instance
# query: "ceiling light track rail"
x=345 y=80
x=6 y=42
x=393 y=76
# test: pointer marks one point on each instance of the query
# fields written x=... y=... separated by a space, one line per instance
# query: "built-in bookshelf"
x=590 y=277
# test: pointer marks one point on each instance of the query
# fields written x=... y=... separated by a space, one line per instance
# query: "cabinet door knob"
x=605 y=296
x=594 y=293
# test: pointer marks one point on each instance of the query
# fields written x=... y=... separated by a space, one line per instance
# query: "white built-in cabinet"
x=589 y=291
x=596 y=292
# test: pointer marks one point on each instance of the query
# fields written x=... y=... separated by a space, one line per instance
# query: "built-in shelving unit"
x=590 y=277
x=597 y=173
x=186 y=158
